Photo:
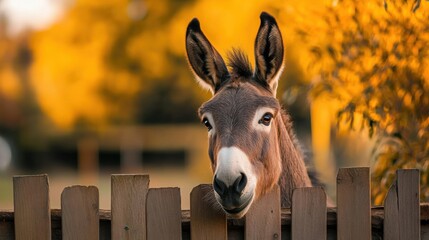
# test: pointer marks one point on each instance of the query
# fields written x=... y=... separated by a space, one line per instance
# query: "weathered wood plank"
x=263 y=220
x=235 y=227
x=309 y=214
x=401 y=206
x=31 y=203
x=129 y=206
x=391 y=214
x=80 y=207
x=354 y=204
x=164 y=216
x=208 y=221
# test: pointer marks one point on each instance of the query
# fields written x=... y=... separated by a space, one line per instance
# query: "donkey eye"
x=266 y=119
x=207 y=124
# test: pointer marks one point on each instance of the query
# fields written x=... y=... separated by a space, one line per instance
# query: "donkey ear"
x=206 y=63
x=269 y=52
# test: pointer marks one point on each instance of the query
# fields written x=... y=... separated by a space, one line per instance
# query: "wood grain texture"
x=80 y=213
x=31 y=203
x=401 y=207
x=129 y=206
x=208 y=221
x=353 y=204
x=391 y=214
x=164 y=216
x=235 y=227
x=263 y=220
x=309 y=214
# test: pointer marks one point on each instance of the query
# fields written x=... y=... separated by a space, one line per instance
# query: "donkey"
x=252 y=145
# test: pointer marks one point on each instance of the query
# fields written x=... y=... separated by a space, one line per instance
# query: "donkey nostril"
x=240 y=183
x=219 y=186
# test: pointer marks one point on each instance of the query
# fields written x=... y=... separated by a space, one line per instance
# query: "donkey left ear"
x=269 y=52
x=206 y=63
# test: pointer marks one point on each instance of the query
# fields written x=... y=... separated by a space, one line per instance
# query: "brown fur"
x=294 y=172
x=276 y=156
x=237 y=94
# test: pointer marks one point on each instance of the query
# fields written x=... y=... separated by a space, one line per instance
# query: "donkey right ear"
x=269 y=52
x=207 y=64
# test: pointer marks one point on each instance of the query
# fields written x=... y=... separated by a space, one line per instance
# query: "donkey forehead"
x=239 y=100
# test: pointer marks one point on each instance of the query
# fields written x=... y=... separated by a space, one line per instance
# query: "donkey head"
x=243 y=115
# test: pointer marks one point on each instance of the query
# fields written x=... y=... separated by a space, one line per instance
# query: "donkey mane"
x=294 y=172
x=288 y=122
x=239 y=64
x=241 y=69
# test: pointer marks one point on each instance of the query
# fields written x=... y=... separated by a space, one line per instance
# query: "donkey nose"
x=234 y=190
x=240 y=183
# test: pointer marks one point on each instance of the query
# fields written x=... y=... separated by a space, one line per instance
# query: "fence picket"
x=401 y=207
x=207 y=221
x=263 y=220
x=32 y=211
x=79 y=207
x=164 y=216
x=353 y=204
x=142 y=213
x=309 y=214
x=129 y=206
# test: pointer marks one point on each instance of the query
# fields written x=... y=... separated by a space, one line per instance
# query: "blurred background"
x=92 y=88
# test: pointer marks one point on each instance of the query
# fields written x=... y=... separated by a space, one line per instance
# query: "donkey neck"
x=294 y=173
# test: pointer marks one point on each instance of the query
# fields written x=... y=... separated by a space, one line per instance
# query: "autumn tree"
x=119 y=61
x=104 y=61
x=373 y=57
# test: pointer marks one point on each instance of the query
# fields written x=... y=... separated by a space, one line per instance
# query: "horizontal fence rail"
x=140 y=212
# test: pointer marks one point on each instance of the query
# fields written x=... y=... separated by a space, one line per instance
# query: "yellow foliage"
x=69 y=64
x=97 y=48
x=10 y=86
x=374 y=61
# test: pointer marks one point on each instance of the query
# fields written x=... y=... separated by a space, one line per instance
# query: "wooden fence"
x=140 y=212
